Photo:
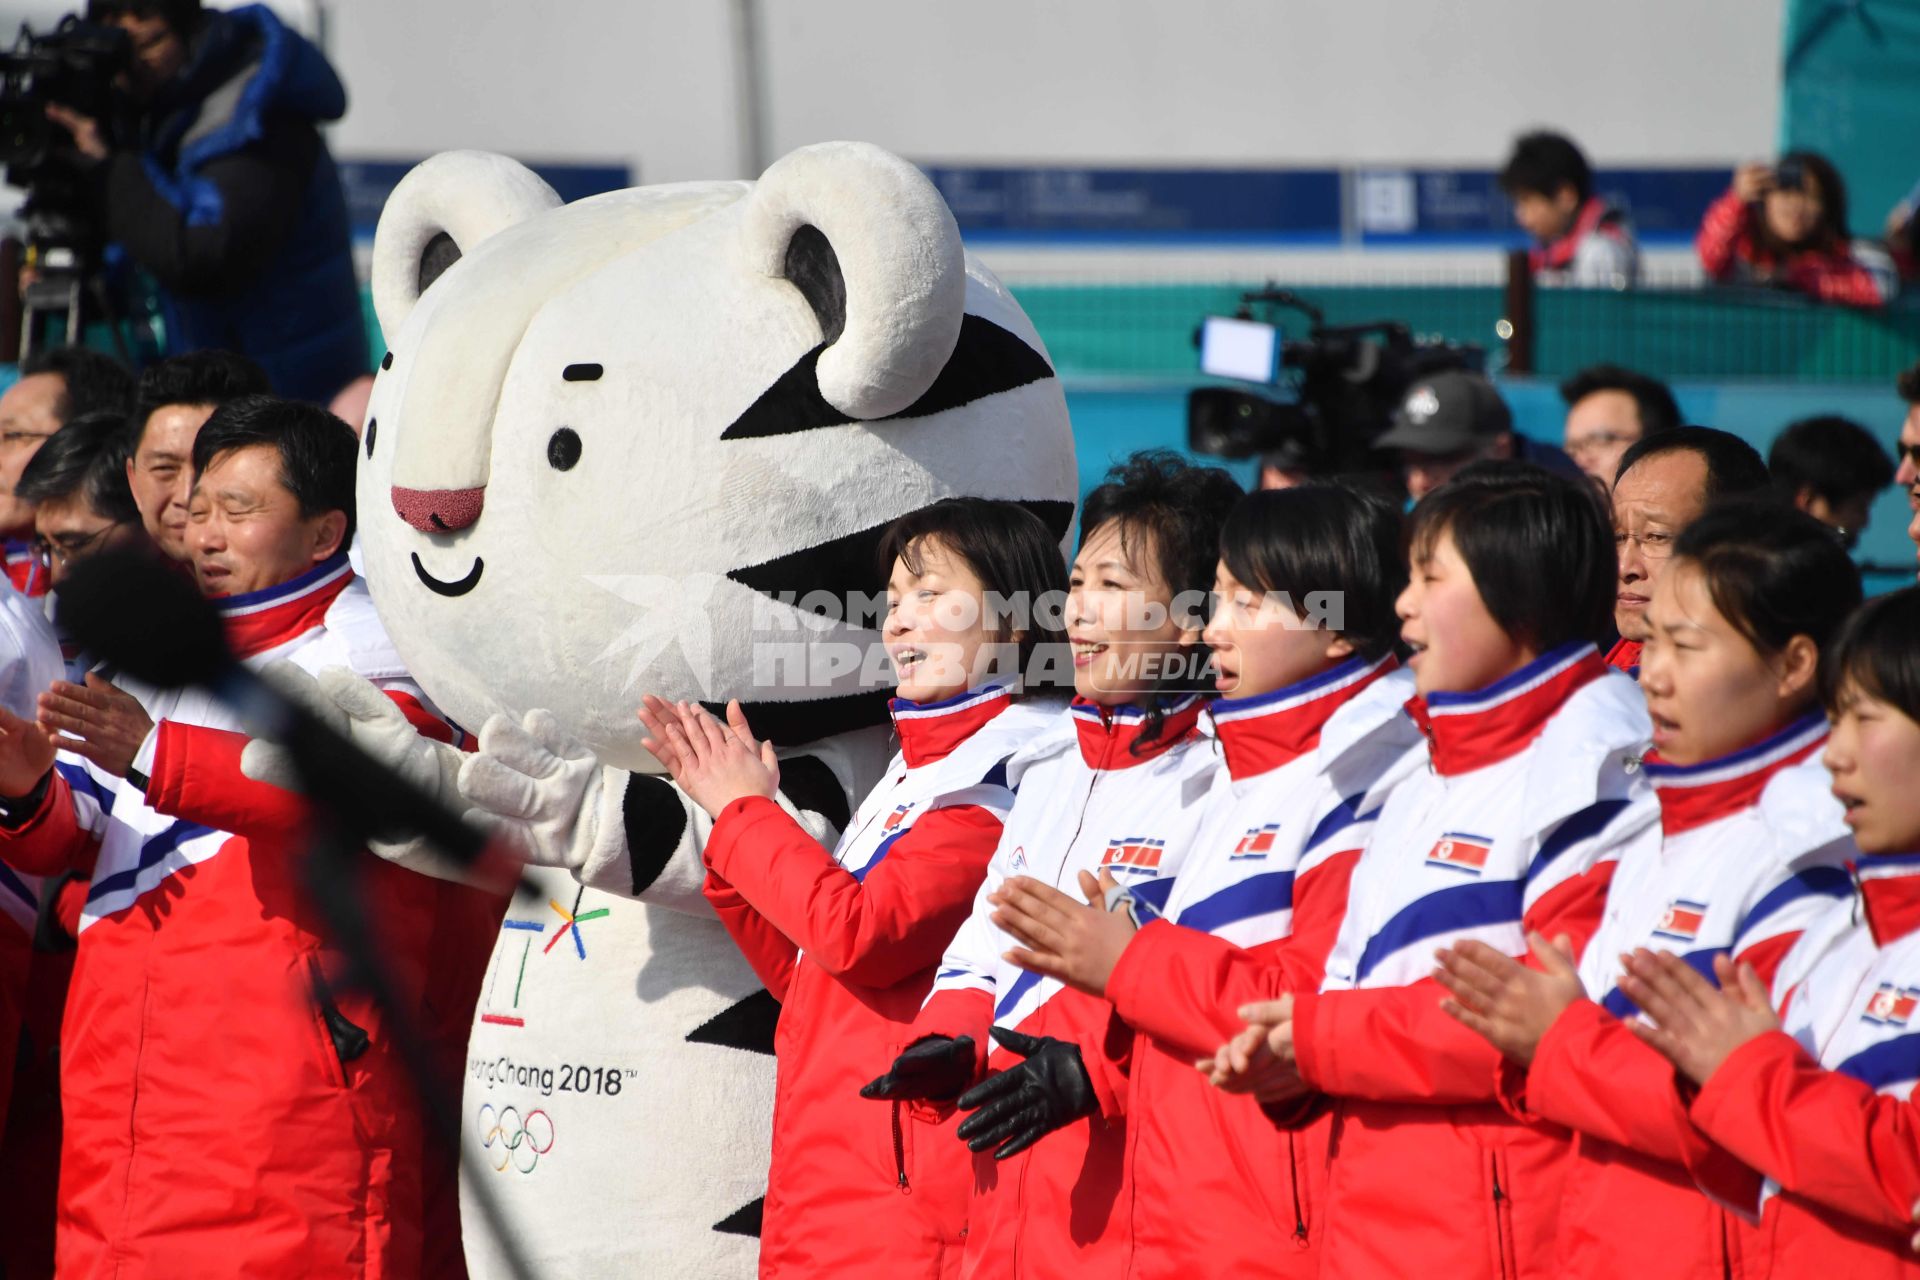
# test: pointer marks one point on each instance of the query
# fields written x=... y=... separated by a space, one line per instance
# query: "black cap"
x=1449 y=412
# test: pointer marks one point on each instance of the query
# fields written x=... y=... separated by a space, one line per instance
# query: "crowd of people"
x=1520 y=881
x=1778 y=225
x=1453 y=883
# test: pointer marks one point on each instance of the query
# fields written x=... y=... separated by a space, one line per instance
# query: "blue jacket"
x=234 y=205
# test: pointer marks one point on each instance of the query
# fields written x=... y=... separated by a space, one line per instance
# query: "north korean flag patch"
x=898 y=815
x=1459 y=851
x=1257 y=843
x=1138 y=852
x=1681 y=920
x=1891 y=1006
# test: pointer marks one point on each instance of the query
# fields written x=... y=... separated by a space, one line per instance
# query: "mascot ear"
x=874 y=249
x=443 y=208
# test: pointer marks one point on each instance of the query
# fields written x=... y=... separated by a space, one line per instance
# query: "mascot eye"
x=386 y=362
x=563 y=449
x=373 y=427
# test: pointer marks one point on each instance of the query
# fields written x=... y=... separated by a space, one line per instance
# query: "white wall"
x=1150 y=82
x=1246 y=82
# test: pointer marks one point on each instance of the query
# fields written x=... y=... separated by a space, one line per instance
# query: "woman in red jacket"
x=847 y=941
x=1786 y=224
x=1819 y=1096
x=1752 y=853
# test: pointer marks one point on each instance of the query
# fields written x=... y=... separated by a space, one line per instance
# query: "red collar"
x=24 y=570
x=1470 y=731
x=265 y=619
x=1696 y=794
x=1263 y=732
x=929 y=731
x=1108 y=734
x=1889 y=895
x=1557 y=255
x=1625 y=656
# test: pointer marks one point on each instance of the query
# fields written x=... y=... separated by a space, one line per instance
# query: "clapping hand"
x=714 y=764
x=1694 y=1023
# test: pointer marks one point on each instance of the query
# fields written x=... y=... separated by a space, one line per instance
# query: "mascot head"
x=646 y=442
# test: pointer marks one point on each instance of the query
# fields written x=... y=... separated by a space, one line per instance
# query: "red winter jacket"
x=1825 y=1109
x=229 y=1107
x=1063 y=1206
x=1515 y=827
x=1251 y=916
x=847 y=942
x=1730 y=251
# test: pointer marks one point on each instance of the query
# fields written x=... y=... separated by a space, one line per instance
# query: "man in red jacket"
x=232 y=1107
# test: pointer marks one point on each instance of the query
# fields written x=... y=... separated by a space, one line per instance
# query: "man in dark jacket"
x=224 y=191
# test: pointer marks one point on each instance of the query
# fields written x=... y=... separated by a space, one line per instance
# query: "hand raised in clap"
x=1259 y=1060
x=95 y=721
x=714 y=764
x=1505 y=1001
x=1694 y=1023
x=1078 y=943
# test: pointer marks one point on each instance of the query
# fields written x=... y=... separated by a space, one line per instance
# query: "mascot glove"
x=543 y=788
x=357 y=710
x=1021 y=1105
x=932 y=1067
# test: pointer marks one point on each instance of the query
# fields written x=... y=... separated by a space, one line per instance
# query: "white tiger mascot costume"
x=620 y=447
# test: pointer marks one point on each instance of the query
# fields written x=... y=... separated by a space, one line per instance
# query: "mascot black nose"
x=439 y=510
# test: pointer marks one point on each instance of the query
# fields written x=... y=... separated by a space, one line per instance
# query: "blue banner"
x=1150 y=204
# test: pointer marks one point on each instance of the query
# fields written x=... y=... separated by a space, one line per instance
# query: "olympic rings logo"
x=513 y=1142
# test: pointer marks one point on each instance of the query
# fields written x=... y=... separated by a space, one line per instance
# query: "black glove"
x=1023 y=1104
x=935 y=1067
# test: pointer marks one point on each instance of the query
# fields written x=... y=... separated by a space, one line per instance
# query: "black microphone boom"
x=132 y=611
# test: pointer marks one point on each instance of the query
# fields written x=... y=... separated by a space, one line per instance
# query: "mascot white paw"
x=630 y=445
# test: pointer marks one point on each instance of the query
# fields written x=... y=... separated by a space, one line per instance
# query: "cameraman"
x=220 y=185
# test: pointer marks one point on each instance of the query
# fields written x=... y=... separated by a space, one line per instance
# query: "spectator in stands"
x=1831 y=468
x=1452 y=420
x=224 y=191
x=1609 y=409
x=77 y=483
x=1665 y=482
x=1785 y=225
x=175 y=397
x=54 y=387
x=1908 y=475
x=1583 y=240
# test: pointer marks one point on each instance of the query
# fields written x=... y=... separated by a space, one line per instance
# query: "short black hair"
x=1539 y=546
x=1835 y=457
x=1652 y=399
x=88 y=457
x=1325 y=535
x=317 y=450
x=1874 y=651
x=95 y=382
x=1171 y=510
x=198 y=377
x=1773 y=572
x=1908 y=383
x=1013 y=554
x=1543 y=162
x=1734 y=467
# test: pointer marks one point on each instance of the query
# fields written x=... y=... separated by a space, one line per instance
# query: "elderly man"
x=1664 y=483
